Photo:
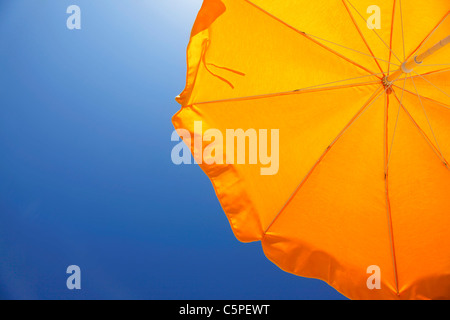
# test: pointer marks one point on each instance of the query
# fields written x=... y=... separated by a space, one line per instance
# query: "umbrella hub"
x=387 y=84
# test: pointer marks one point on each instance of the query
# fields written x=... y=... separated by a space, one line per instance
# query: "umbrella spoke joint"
x=387 y=84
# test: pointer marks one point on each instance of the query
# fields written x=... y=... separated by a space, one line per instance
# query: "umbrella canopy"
x=360 y=97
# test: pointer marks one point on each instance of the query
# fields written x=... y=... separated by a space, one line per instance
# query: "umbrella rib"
x=396 y=124
x=425 y=74
x=386 y=187
x=429 y=35
x=432 y=146
x=388 y=202
x=375 y=96
x=432 y=72
x=297 y=91
x=435 y=65
x=308 y=37
x=426 y=98
x=392 y=33
x=362 y=36
x=403 y=32
x=448 y=95
x=387 y=46
x=340 y=45
x=428 y=120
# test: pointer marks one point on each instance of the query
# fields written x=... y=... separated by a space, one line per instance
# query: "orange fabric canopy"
x=363 y=175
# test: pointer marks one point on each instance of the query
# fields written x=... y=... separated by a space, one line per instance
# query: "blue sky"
x=86 y=176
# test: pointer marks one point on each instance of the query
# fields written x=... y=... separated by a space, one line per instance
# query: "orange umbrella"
x=357 y=92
